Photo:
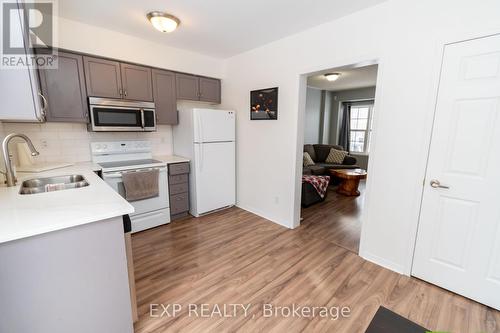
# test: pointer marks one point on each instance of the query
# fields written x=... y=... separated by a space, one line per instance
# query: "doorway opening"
x=338 y=124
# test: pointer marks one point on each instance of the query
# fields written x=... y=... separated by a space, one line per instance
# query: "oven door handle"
x=142 y=118
x=119 y=174
x=112 y=175
x=147 y=169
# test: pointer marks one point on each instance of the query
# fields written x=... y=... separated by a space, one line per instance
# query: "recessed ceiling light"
x=163 y=22
x=332 y=76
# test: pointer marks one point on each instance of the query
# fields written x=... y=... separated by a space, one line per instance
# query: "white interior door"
x=213 y=125
x=215 y=176
x=458 y=242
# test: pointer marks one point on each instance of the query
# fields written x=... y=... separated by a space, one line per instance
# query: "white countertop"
x=171 y=159
x=33 y=214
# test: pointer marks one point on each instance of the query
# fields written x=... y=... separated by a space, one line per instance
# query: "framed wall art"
x=264 y=104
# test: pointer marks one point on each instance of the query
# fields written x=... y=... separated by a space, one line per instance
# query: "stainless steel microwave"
x=112 y=115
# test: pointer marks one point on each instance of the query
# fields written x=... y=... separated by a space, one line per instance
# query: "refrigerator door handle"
x=202 y=148
x=200 y=127
x=199 y=156
x=197 y=128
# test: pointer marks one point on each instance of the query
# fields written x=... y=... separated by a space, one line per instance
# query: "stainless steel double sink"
x=49 y=184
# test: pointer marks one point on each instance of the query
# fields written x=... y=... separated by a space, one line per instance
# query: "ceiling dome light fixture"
x=163 y=22
x=332 y=76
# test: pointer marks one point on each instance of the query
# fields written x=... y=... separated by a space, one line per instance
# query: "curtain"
x=345 y=133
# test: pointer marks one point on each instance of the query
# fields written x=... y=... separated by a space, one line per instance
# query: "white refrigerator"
x=207 y=138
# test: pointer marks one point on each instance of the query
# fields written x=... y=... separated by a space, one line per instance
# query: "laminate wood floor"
x=234 y=256
x=337 y=219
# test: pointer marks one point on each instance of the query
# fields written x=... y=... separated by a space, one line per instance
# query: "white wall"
x=313 y=116
x=327 y=119
x=86 y=38
x=406 y=38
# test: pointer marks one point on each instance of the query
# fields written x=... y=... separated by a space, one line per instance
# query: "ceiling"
x=351 y=78
x=218 y=28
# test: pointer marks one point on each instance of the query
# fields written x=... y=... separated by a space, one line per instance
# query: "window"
x=361 y=127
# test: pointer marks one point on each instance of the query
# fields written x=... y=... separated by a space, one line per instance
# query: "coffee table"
x=349 y=180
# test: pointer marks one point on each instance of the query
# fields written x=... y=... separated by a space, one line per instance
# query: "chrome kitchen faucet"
x=9 y=172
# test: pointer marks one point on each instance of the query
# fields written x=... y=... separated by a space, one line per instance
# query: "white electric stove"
x=118 y=157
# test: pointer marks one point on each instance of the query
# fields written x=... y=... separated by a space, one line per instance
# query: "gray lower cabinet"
x=102 y=77
x=136 y=82
x=178 y=183
x=64 y=89
x=164 y=94
x=197 y=88
x=209 y=90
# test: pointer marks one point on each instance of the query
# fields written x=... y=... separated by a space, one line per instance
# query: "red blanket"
x=320 y=183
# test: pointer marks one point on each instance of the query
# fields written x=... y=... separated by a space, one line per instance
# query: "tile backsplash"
x=69 y=142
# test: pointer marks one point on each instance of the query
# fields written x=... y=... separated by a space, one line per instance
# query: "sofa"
x=310 y=196
x=319 y=153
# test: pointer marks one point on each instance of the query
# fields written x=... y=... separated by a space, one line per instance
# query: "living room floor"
x=337 y=219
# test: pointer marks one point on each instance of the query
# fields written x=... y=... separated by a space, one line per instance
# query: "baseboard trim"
x=259 y=213
x=390 y=265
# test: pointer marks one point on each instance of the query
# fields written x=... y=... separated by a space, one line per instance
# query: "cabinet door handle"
x=45 y=104
x=125 y=93
x=120 y=91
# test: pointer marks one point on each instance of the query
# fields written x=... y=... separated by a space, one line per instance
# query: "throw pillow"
x=308 y=161
x=336 y=156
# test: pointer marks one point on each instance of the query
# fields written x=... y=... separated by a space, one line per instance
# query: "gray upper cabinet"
x=136 y=82
x=78 y=76
x=195 y=88
x=64 y=89
x=113 y=79
x=187 y=87
x=209 y=90
x=164 y=93
x=102 y=77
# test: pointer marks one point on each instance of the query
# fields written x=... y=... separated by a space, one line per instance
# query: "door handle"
x=436 y=184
